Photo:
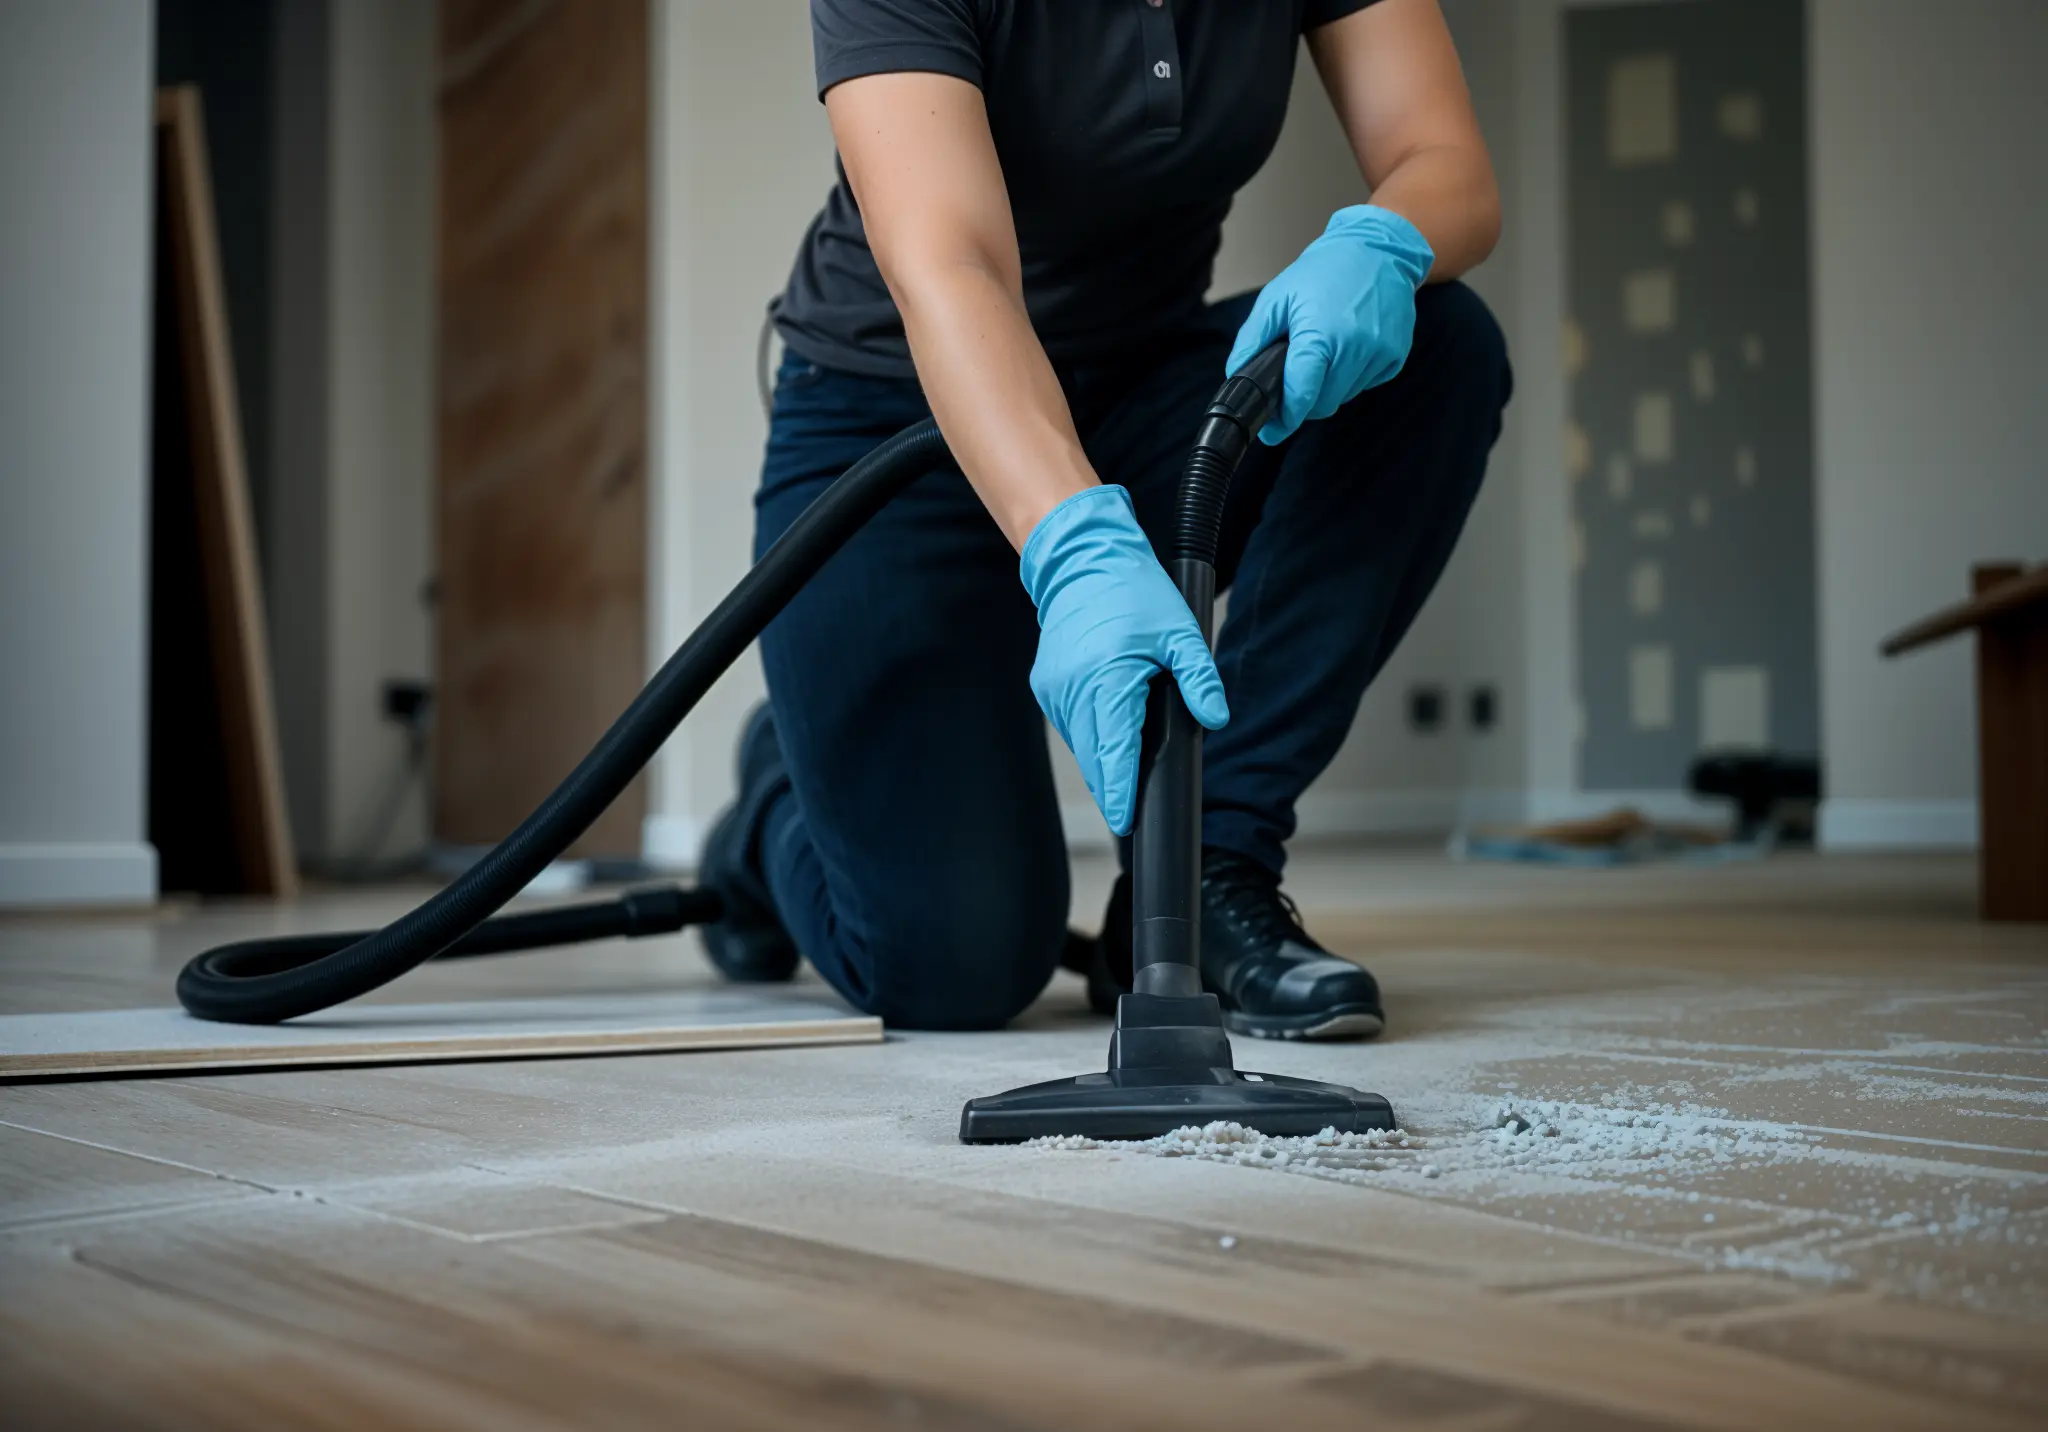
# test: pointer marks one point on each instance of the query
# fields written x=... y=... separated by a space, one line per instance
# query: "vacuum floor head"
x=1145 y=1103
x=1169 y=1066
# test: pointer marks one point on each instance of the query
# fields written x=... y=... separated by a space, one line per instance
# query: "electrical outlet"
x=406 y=702
x=1482 y=707
x=1426 y=708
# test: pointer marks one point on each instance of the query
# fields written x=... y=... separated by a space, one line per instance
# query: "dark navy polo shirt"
x=1124 y=128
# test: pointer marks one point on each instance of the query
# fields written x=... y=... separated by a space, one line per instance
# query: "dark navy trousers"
x=916 y=855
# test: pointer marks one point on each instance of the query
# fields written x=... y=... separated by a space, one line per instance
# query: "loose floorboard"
x=164 y=1039
x=1735 y=1147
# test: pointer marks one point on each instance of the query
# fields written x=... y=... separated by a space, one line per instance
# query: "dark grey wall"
x=1691 y=399
x=263 y=72
x=227 y=48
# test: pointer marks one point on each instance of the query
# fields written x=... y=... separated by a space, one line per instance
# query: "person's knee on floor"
x=970 y=958
x=962 y=942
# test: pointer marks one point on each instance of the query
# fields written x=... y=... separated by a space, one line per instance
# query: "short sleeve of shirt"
x=1317 y=13
x=851 y=38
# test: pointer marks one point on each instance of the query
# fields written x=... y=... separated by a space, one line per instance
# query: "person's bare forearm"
x=1450 y=195
x=1392 y=74
x=923 y=166
x=992 y=390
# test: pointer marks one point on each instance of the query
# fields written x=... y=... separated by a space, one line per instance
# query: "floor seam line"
x=133 y=1154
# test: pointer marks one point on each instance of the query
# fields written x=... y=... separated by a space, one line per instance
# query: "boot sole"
x=1343 y=1022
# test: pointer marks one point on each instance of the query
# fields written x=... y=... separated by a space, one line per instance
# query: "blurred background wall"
x=1924 y=231
x=323 y=143
x=74 y=429
x=1931 y=362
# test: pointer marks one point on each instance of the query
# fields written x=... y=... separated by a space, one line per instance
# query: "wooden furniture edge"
x=2002 y=600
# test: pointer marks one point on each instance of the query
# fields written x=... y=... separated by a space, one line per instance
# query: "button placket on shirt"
x=1161 y=48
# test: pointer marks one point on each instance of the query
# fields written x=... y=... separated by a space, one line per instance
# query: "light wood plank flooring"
x=1776 y=1155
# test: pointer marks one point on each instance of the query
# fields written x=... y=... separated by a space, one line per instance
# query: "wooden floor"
x=1787 y=1165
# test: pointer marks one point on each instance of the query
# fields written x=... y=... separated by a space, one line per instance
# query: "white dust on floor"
x=1721 y=1153
x=1569 y=1140
x=1345 y=1157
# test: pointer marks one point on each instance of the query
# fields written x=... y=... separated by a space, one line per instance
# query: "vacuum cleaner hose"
x=266 y=981
x=1166 y=841
x=1233 y=418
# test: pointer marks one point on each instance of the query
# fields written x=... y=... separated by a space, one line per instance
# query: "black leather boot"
x=1271 y=977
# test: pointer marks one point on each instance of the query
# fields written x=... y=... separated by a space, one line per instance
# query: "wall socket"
x=406 y=702
x=1426 y=708
x=1482 y=707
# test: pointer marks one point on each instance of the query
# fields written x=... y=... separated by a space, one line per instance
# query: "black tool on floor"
x=1774 y=795
x=1169 y=1061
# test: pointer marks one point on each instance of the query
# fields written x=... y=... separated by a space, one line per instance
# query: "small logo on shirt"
x=1163 y=70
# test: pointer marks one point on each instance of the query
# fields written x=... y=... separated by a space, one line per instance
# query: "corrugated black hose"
x=1166 y=841
x=267 y=981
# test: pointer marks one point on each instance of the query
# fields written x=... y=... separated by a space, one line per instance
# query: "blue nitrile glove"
x=1347 y=306
x=1109 y=619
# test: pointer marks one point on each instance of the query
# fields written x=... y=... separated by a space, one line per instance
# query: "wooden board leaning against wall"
x=217 y=801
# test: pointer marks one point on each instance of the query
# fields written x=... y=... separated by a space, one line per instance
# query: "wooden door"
x=542 y=403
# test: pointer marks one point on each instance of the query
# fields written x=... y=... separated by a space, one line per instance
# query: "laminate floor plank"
x=1362 y=1308
x=87 y=1347
x=733 y=1330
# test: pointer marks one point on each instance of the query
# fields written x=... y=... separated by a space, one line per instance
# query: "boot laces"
x=1249 y=896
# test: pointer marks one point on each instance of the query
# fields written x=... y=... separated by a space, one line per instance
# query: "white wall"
x=1522 y=608
x=1531 y=162
x=295 y=540
x=351 y=523
x=380 y=428
x=742 y=159
x=1931 y=335
x=75 y=167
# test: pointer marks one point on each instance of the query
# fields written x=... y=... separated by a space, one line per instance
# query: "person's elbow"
x=925 y=270
x=1471 y=226
x=1486 y=217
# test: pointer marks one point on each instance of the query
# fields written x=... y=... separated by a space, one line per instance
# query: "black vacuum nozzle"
x=1169 y=1059
x=1145 y=1103
x=1169 y=1066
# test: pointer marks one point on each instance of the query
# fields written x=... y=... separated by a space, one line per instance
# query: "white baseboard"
x=34 y=876
x=671 y=842
x=1860 y=824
